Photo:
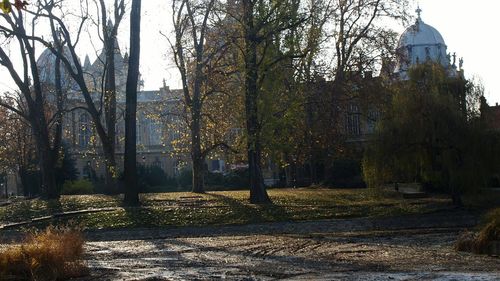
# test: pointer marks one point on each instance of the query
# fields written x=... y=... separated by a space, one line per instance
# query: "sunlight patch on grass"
x=222 y=208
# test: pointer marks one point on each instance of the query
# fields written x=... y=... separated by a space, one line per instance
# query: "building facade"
x=157 y=114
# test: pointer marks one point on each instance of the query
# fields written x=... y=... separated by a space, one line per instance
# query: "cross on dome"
x=419 y=11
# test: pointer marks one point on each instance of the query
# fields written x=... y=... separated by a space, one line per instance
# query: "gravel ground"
x=405 y=248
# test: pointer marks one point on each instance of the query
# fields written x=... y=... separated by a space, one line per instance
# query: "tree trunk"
x=457 y=199
x=49 y=185
x=45 y=159
x=130 y=161
x=258 y=194
x=196 y=154
x=198 y=175
x=310 y=138
x=110 y=111
x=111 y=170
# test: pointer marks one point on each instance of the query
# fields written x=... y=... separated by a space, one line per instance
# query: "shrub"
x=185 y=178
x=54 y=254
x=238 y=178
x=65 y=169
x=149 y=176
x=214 y=179
x=77 y=187
x=345 y=173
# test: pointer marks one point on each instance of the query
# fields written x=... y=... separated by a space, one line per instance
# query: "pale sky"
x=468 y=28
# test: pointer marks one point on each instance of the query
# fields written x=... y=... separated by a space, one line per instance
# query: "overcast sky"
x=468 y=28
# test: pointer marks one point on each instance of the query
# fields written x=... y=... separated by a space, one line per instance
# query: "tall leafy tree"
x=262 y=25
x=427 y=136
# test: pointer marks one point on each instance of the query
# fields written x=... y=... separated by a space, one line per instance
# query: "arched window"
x=409 y=55
x=84 y=130
x=352 y=124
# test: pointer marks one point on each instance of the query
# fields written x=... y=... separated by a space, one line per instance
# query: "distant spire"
x=86 y=63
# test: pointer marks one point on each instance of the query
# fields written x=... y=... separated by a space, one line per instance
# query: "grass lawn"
x=218 y=208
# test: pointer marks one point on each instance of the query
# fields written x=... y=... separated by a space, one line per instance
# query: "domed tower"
x=420 y=43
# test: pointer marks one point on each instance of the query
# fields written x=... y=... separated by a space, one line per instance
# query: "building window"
x=427 y=53
x=154 y=132
x=84 y=131
x=139 y=134
x=373 y=117
x=353 y=121
x=410 y=55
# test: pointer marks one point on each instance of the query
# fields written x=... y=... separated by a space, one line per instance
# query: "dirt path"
x=405 y=248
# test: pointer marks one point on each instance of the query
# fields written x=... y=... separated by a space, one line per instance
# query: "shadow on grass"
x=251 y=212
x=146 y=217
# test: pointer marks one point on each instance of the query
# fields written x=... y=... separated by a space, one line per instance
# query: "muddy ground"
x=405 y=248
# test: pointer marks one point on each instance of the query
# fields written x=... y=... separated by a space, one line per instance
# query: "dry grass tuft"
x=466 y=242
x=54 y=254
x=481 y=243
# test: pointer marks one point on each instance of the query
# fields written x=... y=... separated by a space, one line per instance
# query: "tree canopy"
x=427 y=136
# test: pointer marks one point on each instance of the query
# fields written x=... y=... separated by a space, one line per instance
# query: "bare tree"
x=192 y=57
x=38 y=115
x=109 y=33
x=357 y=28
x=72 y=64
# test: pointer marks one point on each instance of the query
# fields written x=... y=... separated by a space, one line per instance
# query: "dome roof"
x=47 y=58
x=46 y=63
x=421 y=43
x=420 y=34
